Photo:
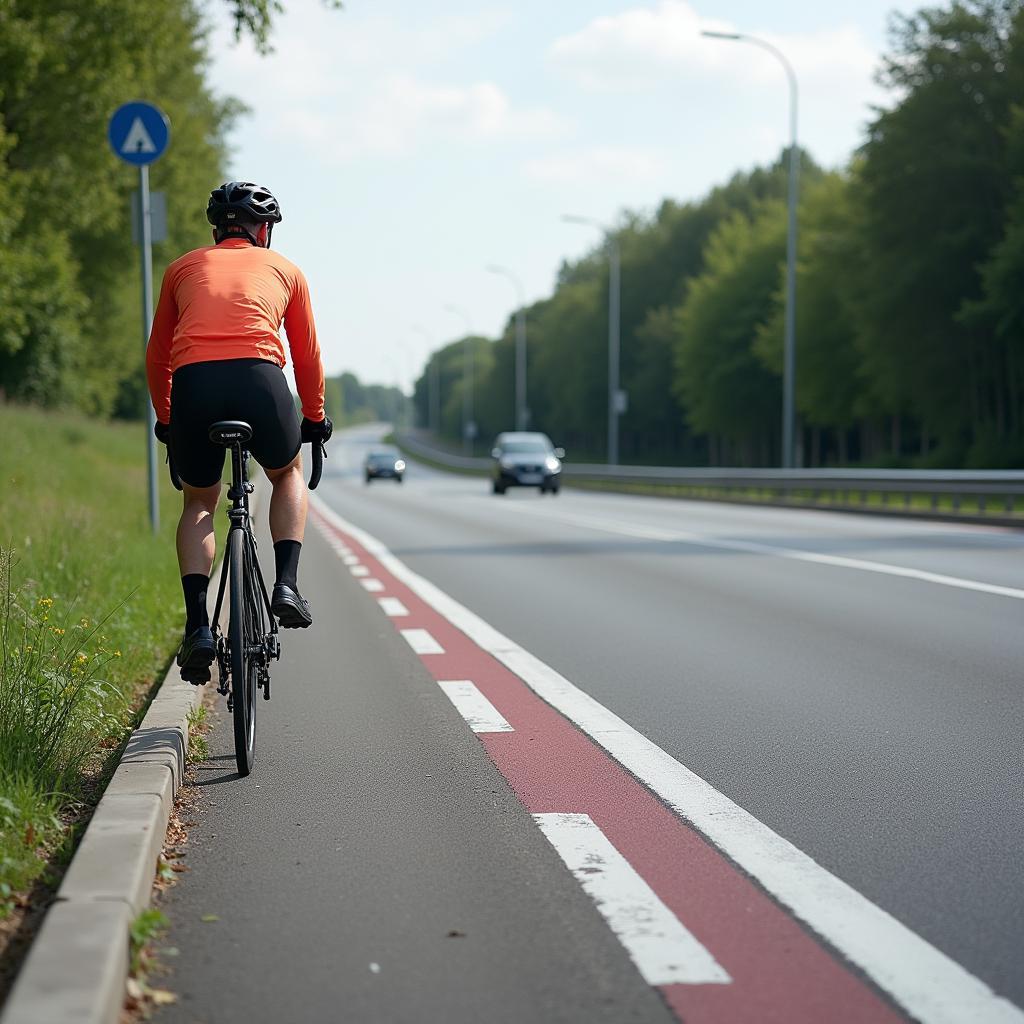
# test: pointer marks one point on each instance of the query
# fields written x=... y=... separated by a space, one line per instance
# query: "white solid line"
x=373 y=586
x=754 y=548
x=392 y=606
x=422 y=642
x=350 y=559
x=359 y=570
x=931 y=986
x=474 y=707
x=663 y=950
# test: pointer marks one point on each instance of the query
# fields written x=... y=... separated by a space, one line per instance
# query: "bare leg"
x=289 y=502
x=288 y=506
x=195 y=540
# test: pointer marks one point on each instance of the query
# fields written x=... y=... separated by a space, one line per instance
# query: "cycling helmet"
x=242 y=200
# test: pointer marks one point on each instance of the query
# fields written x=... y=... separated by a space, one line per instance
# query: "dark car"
x=383 y=464
x=526 y=459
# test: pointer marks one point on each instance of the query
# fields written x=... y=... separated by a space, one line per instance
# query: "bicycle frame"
x=238 y=514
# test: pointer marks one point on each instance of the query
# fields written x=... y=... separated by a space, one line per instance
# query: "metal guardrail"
x=852 y=486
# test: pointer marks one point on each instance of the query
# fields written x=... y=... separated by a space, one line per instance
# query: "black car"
x=526 y=459
x=383 y=464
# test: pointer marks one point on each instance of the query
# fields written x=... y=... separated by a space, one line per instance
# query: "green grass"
x=89 y=613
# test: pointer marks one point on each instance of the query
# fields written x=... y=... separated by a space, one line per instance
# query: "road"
x=849 y=685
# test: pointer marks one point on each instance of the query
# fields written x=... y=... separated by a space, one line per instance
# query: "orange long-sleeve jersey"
x=228 y=301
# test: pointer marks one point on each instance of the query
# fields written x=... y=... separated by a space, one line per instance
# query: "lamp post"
x=433 y=384
x=789 y=348
x=468 y=426
x=522 y=415
x=616 y=401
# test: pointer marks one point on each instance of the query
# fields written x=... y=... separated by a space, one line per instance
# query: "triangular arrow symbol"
x=138 y=140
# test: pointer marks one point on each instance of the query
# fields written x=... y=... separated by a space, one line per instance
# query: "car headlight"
x=507 y=463
x=399 y=466
x=552 y=463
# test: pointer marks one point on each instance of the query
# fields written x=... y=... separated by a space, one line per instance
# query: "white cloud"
x=597 y=164
x=642 y=46
x=400 y=114
x=344 y=89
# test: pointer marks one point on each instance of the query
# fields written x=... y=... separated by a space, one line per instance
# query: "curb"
x=77 y=968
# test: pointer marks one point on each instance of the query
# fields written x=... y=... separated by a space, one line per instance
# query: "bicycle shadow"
x=209 y=766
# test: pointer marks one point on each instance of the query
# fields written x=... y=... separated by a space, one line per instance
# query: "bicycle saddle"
x=229 y=432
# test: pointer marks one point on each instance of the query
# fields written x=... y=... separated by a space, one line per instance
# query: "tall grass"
x=90 y=610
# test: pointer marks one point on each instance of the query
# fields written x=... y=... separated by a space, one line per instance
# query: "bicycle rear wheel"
x=243 y=637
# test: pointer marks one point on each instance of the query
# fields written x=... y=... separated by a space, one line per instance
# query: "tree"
x=726 y=389
x=830 y=392
x=73 y=324
x=256 y=19
x=934 y=187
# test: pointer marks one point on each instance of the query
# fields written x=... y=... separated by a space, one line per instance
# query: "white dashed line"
x=475 y=708
x=373 y=586
x=422 y=642
x=663 y=950
x=359 y=570
x=392 y=606
x=350 y=559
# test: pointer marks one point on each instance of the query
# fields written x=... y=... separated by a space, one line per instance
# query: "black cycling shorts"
x=253 y=390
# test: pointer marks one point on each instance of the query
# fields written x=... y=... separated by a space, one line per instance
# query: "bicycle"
x=252 y=642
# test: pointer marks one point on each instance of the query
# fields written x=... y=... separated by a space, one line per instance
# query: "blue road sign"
x=138 y=133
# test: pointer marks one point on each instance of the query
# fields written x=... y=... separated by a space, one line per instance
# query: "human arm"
x=305 y=350
x=158 y=351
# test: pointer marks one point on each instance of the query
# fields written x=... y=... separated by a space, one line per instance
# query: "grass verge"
x=89 y=608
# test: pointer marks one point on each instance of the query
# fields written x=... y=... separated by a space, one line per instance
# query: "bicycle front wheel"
x=244 y=667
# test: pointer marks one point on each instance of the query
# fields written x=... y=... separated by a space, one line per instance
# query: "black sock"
x=194 y=586
x=286 y=555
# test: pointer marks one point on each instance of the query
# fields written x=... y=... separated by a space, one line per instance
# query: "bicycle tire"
x=243 y=668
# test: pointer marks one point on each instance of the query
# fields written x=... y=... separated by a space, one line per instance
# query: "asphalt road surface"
x=848 y=685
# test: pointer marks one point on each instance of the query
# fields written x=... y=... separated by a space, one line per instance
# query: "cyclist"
x=215 y=354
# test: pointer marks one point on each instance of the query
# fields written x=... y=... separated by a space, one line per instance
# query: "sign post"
x=138 y=134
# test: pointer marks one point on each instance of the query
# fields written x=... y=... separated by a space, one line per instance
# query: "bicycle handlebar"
x=319 y=454
x=175 y=479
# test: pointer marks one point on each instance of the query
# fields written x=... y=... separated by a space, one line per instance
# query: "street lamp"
x=616 y=400
x=468 y=426
x=434 y=383
x=789 y=348
x=521 y=413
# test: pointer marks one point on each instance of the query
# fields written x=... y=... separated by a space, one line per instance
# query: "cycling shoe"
x=290 y=607
x=196 y=654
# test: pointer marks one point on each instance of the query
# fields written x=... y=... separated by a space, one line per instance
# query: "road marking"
x=663 y=950
x=392 y=606
x=930 y=986
x=753 y=547
x=373 y=586
x=350 y=560
x=421 y=641
x=474 y=707
x=359 y=570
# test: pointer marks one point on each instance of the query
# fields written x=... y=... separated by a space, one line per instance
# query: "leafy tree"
x=74 y=325
x=256 y=19
x=934 y=190
x=727 y=391
x=830 y=392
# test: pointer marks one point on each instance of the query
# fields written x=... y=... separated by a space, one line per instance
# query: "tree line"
x=348 y=401
x=910 y=284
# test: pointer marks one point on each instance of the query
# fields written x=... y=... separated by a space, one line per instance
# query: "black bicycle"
x=252 y=641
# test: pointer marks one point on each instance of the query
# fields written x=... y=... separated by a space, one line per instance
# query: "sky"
x=412 y=145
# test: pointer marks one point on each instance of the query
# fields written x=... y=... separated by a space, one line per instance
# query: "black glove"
x=313 y=432
x=162 y=431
